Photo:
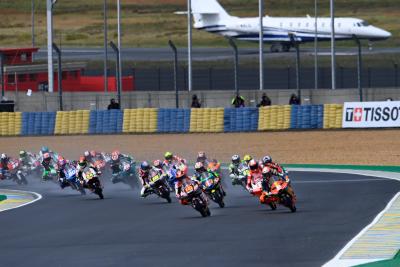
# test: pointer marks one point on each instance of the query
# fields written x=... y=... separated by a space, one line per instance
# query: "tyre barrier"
x=152 y=120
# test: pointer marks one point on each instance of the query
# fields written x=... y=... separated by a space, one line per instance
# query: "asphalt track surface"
x=202 y=53
x=66 y=229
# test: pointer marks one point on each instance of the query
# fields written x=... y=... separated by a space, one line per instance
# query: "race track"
x=66 y=229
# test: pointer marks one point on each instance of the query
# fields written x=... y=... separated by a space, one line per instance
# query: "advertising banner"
x=371 y=114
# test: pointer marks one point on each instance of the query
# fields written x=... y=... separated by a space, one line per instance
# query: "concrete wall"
x=73 y=101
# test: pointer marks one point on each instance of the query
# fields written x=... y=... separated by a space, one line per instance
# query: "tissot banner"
x=371 y=114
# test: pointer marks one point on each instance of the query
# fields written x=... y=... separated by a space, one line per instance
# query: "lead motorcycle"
x=159 y=186
x=211 y=185
x=92 y=182
x=193 y=194
x=70 y=178
x=279 y=194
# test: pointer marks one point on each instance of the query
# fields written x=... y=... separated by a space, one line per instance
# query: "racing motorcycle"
x=279 y=195
x=70 y=179
x=192 y=193
x=211 y=185
x=50 y=174
x=124 y=172
x=239 y=177
x=92 y=182
x=159 y=185
x=14 y=172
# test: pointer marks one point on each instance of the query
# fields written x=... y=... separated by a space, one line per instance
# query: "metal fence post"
x=118 y=74
x=288 y=77
x=396 y=73
x=133 y=79
x=236 y=63
x=2 y=74
x=173 y=47
x=59 y=75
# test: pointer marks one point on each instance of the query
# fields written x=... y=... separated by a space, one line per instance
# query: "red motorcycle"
x=14 y=172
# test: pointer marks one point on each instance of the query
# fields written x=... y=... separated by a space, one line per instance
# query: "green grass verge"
x=395 y=262
x=3 y=197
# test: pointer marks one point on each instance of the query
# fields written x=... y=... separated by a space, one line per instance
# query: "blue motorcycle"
x=70 y=178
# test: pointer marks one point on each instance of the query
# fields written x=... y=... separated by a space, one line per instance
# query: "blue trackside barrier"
x=240 y=119
x=307 y=117
x=38 y=123
x=106 y=121
x=173 y=120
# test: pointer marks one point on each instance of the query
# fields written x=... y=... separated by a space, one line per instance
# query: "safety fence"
x=152 y=120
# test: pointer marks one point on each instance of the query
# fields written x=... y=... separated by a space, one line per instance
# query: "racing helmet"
x=86 y=153
x=266 y=172
x=253 y=164
x=236 y=159
x=115 y=155
x=3 y=156
x=180 y=174
x=145 y=166
x=61 y=161
x=93 y=153
x=44 y=149
x=201 y=156
x=158 y=164
x=46 y=156
x=168 y=156
x=82 y=162
x=266 y=160
x=22 y=154
x=247 y=158
x=199 y=166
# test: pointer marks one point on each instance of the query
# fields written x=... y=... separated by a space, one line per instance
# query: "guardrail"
x=152 y=120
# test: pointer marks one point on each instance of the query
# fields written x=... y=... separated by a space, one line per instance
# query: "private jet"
x=281 y=32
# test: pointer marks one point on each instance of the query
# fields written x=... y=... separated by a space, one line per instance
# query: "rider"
x=4 y=163
x=116 y=158
x=276 y=169
x=26 y=158
x=61 y=163
x=246 y=159
x=88 y=156
x=254 y=176
x=181 y=179
x=173 y=160
x=199 y=169
x=82 y=164
x=201 y=157
x=144 y=175
x=46 y=163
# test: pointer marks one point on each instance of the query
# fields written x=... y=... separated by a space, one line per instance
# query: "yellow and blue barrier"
x=307 y=117
x=173 y=120
x=274 y=118
x=106 y=121
x=207 y=120
x=333 y=116
x=72 y=122
x=10 y=123
x=38 y=123
x=152 y=120
x=141 y=120
x=241 y=119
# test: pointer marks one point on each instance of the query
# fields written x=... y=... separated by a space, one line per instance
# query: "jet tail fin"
x=207 y=12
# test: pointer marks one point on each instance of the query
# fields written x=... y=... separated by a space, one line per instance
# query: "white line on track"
x=338 y=181
x=38 y=197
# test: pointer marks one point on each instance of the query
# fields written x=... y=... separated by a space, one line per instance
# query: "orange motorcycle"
x=280 y=193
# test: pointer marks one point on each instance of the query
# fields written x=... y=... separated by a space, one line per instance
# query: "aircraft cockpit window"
x=364 y=23
x=359 y=24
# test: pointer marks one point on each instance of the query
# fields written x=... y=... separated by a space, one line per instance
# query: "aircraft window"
x=359 y=24
x=339 y=24
x=364 y=23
